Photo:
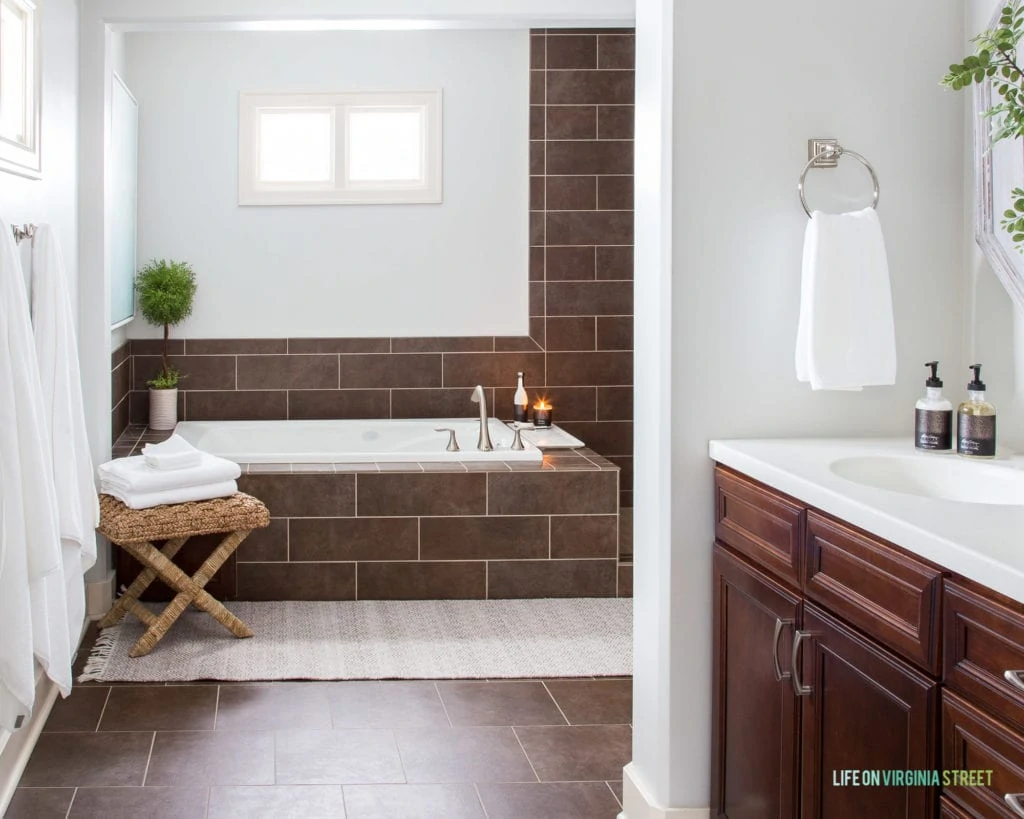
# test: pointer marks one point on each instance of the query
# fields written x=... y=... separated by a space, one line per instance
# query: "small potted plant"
x=165 y=289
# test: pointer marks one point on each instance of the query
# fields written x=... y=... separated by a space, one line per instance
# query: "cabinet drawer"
x=763 y=525
x=886 y=593
x=983 y=641
x=972 y=740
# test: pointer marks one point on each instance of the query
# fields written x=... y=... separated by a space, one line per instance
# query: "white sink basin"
x=939 y=476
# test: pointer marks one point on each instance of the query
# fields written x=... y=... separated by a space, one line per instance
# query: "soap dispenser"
x=976 y=421
x=933 y=418
x=520 y=401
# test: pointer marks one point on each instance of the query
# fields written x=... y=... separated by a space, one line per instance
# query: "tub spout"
x=484 y=441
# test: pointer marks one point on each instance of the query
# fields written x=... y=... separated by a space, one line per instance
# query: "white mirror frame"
x=25 y=158
x=997 y=170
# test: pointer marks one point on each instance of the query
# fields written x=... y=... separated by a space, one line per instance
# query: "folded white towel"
x=135 y=475
x=174 y=453
x=846 y=338
x=145 y=500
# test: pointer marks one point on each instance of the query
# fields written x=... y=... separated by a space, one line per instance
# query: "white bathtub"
x=351 y=441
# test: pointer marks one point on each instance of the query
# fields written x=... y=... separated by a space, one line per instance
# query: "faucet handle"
x=453 y=444
x=517 y=441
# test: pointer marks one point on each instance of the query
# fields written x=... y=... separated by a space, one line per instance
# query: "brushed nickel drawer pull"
x=799 y=688
x=1016 y=679
x=1013 y=800
x=780 y=675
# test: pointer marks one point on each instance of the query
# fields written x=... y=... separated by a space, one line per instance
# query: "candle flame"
x=542 y=404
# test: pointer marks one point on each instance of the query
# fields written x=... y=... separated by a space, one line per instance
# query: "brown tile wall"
x=579 y=351
x=120 y=388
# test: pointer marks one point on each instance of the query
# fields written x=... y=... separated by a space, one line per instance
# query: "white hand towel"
x=846 y=337
x=133 y=475
x=174 y=453
x=146 y=500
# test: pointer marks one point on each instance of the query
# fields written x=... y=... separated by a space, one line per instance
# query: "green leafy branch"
x=995 y=61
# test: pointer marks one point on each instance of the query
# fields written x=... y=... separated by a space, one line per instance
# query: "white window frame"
x=339 y=190
x=23 y=156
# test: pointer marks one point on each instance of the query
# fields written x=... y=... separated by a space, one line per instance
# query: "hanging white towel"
x=57 y=353
x=146 y=500
x=134 y=475
x=29 y=528
x=174 y=453
x=846 y=337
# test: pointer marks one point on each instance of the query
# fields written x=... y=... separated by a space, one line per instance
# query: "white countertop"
x=983 y=542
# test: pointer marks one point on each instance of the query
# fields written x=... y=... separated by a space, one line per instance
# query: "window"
x=337 y=149
x=19 y=88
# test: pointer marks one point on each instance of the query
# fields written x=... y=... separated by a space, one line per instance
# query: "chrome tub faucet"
x=484 y=440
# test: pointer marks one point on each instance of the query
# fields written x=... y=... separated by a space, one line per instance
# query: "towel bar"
x=825 y=153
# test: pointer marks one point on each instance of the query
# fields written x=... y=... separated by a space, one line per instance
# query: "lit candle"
x=542 y=413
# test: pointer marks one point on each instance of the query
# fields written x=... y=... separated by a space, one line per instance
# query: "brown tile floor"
x=451 y=748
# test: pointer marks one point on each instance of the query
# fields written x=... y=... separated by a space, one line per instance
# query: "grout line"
x=103 y=710
x=206 y=812
x=614 y=795
x=559 y=707
x=355 y=581
x=419 y=538
x=480 y=799
x=149 y=758
x=549 y=537
x=447 y=716
x=524 y=750
x=216 y=708
x=72 y=802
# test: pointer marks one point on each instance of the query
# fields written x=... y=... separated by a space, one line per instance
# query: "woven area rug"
x=375 y=640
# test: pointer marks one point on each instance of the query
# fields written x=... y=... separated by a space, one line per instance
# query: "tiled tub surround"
x=120 y=389
x=579 y=351
x=426 y=531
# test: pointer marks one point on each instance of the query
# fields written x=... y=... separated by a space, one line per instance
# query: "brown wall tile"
x=287 y=372
x=234 y=346
x=536 y=298
x=615 y=332
x=298 y=346
x=615 y=121
x=532 y=343
x=625 y=580
x=551 y=578
x=320 y=539
x=536 y=264
x=536 y=229
x=589 y=87
x=570 y=263
x=615 y=192
x=422 y=580
x=138 y=406
x=269 y=545
x=537 y=124
x=614 y=403
x=616 y=51
x=154 y=346
x=207 y=372
x=589 y=157
x=120 y=382
x=538 y=50
x=571 y=192
x=625 y=465
x=289 y=495
x=409 y=370
x=574 y=333
x=436 y=403
x=397 y=494
x=443 y=344
x=122 y=353
x=598 y=298
x=490 y=369
x=615 y=263
x=537 y=154
x=119 y=419
x=483 y=538
x=607 y=437
x=244 y=405
x=537 y=192
x=305 y=404
x=552 y=493
x=584 y=536
x=572 y=51
x=296 y=581
x=590 y=228
x=537 y=89
x=571 y=122
x=591 y=369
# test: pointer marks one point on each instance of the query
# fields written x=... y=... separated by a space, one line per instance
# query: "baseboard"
x=99 y=596
x=638 y=804
x=20 y=744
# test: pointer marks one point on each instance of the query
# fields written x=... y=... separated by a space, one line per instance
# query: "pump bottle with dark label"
x=976 y=421
x=933 y=417
x=520 y=401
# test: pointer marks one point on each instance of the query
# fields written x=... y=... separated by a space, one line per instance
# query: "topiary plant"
x=995 y=60
x=165 y=289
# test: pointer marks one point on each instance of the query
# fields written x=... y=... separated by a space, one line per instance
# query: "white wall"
x=119 y=64
x=994 y=331
x=794 y=70
x=459 y=268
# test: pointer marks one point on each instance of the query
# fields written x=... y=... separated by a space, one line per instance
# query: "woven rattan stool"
x=134 y=529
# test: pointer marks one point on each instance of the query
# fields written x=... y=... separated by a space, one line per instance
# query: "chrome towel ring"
x=828 y=157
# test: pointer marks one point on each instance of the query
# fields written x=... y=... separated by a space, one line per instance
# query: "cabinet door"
x=755 y=728
x=862 y=709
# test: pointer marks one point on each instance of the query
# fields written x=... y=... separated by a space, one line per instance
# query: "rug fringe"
x=96 y=665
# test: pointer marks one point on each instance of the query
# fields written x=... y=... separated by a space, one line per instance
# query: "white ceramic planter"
x=163 y=408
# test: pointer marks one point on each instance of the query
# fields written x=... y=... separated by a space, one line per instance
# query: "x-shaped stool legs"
x=189 y=590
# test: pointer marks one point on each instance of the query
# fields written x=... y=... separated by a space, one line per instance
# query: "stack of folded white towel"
x=170 y=472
